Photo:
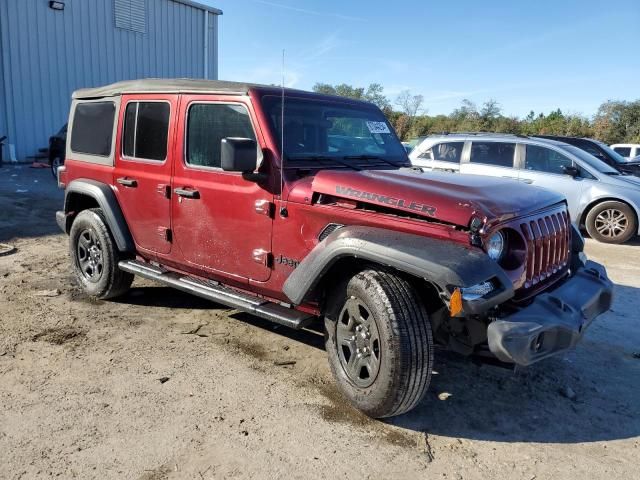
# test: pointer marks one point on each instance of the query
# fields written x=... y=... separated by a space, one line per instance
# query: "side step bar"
x=219 y=294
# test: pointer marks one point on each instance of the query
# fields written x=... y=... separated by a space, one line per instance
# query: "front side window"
x=542 y=159
x=208 y=124
x=92 y=129
x=593 y=150
x=445 y=152
x=499 y=154
x=146 y=130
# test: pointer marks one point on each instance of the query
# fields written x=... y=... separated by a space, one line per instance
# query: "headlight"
x=495 y=246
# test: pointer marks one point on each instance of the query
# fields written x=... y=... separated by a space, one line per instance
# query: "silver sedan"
x=603 y=201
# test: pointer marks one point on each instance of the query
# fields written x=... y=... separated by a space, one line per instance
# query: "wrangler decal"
x=392 y=201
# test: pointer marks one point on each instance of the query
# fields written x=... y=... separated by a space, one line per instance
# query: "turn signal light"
x=455 y=304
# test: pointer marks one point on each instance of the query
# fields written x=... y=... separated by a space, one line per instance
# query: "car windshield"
x=615 y=156
x=590 y=160
x=322 y=131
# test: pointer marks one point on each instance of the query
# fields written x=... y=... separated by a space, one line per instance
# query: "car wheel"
x=611 y=222
x=54 y=163
x=95 y=256
x=379 y=343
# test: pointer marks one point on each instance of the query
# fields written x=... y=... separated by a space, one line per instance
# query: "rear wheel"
x=611 y=222
x=54 y=163
x=379 y=343
x=95 y=257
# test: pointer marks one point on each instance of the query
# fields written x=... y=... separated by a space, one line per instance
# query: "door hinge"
x=264 y=207
x=262 y=257
x=166 y=234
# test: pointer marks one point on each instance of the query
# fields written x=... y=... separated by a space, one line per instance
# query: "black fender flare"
x=441 y=262
x=106 y=199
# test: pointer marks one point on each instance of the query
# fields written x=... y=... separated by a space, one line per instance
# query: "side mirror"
x=238 y=154
x=571 y=170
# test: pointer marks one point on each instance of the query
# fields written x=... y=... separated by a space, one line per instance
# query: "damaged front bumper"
x=555 y=321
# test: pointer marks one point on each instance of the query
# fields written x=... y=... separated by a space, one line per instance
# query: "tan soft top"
x=158 y=85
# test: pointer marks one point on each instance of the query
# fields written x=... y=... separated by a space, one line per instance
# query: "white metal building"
x=49 y=48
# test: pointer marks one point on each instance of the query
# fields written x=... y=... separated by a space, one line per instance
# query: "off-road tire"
x=405 y=342
x=109 y=281
x=595 y=222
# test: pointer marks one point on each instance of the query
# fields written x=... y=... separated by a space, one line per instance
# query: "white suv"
x=600 y=198
x=627 y=150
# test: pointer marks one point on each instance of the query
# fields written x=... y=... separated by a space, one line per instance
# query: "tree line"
x=615 y=121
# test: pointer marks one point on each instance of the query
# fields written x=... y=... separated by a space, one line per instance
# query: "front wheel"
x=611 y=222
x=379 y=343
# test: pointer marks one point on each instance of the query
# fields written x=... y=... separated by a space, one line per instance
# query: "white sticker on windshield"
x=378 y=127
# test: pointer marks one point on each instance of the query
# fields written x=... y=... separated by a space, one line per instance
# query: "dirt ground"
x=163 y=385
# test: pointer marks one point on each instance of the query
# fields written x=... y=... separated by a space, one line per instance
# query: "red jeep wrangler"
x=298 y=207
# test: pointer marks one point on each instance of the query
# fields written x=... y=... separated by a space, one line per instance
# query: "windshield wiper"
x=611 y=173
x=325 y=158
x=373 y=157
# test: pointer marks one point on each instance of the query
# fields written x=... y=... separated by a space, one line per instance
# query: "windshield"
x=595 y=163
x=324 y=131
x=615 y=156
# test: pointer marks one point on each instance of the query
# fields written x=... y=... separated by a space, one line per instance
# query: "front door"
x=221 y=221
x=544 y=167
x=142 y=174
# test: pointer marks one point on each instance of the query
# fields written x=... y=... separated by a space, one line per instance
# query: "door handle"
x=527 y=180
x=127 y=182
x=182 y=192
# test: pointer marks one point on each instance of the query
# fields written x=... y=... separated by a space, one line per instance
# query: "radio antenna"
x=283 y=207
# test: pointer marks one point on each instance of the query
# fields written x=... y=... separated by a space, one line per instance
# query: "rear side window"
x=624 y=151
x=445 y=152
x=541 y=159
x=146 y=130
x=92 y=129
x=208 y=124
x=499 y=154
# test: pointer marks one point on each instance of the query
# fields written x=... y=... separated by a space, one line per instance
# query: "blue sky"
x=537 y=55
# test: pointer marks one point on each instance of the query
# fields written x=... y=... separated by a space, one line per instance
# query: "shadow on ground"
x=29 y=199
x=482 y=402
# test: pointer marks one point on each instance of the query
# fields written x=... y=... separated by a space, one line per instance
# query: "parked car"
x=189 y=183
x=601 y=151
x=600 y=199
x=57 y=147
x=627 y=150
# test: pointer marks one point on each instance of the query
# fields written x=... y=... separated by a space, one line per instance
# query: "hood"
x=446 y=197
x=625 y=180
x=632 y=167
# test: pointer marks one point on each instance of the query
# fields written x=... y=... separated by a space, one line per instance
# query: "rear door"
x=142 y=174
x=493 y=158
x=221 y=221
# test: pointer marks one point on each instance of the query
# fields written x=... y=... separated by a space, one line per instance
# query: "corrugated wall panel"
x=3 y=88
x=214 y=58
x=46 y=54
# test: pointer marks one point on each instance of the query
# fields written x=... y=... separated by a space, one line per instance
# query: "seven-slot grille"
x=548 y=238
